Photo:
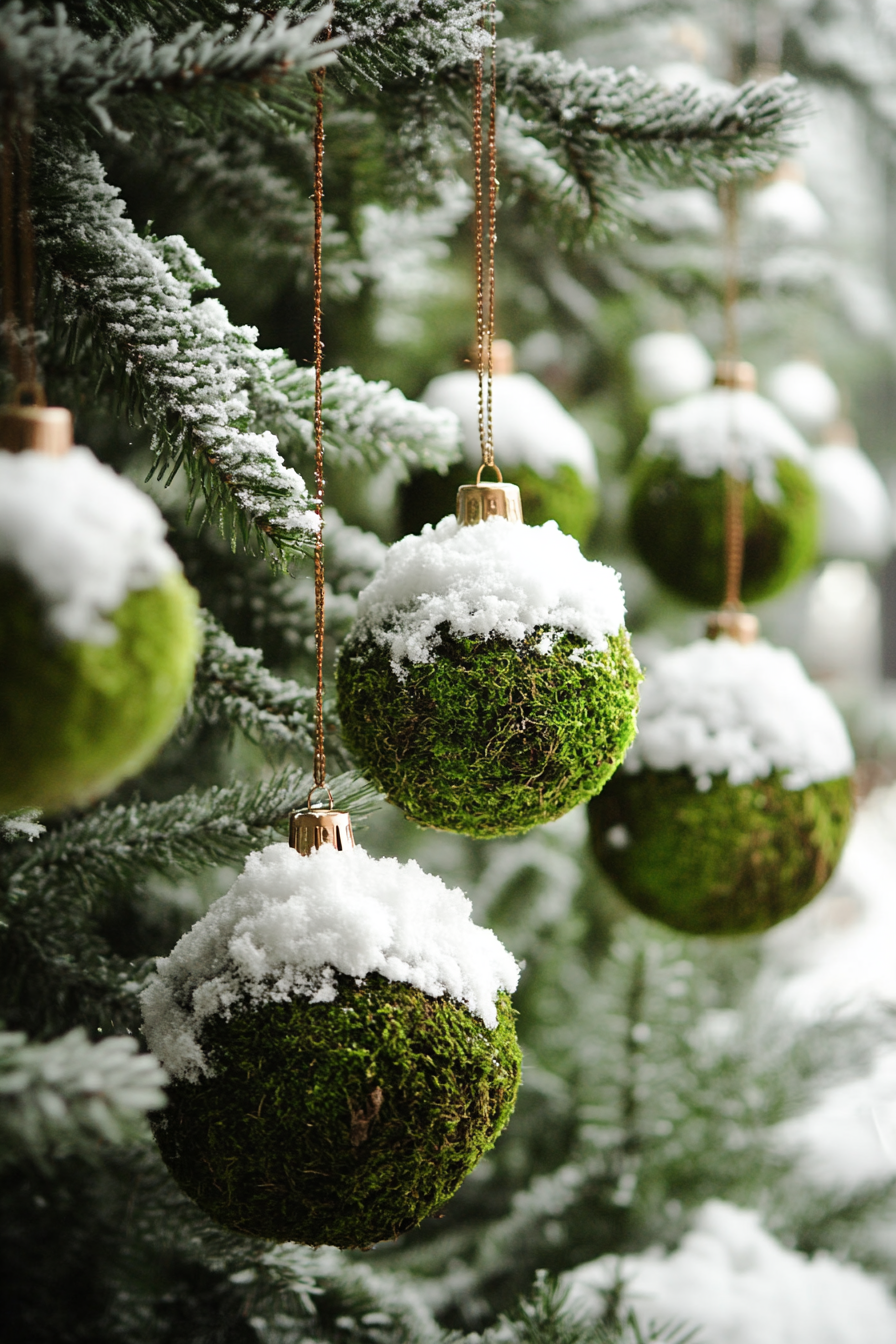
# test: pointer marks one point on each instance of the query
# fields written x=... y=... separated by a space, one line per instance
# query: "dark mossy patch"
x=76 y=718
x=678 y=525
x=492 y=738
x=342 y=1123
x=574 y=506
x=736 y=859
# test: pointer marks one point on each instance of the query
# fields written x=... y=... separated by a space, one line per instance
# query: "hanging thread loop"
x=485 y=206
x=320 y=756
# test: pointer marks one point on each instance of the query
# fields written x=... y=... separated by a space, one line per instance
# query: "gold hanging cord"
x=313 y=827
x=735 y=374
x=484 y=222
x=27 y=422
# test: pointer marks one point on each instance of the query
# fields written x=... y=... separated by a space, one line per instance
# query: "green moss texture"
x=735 y=859
x=492 y=738
x=427 y=497
x=677 y=522
x=77 y=718
x=342 y=1123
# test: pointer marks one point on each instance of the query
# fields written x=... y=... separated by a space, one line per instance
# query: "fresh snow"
x=857 y=521
x=531 y=428
x=83 y=536
x=717 y=707
x=669 y=365
x=495 y=578
x=806 y=394
x=729 y=430
x=739 y=1285
x=289 y=922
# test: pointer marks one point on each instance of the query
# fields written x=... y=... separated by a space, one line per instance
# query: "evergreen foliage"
x=492 y=737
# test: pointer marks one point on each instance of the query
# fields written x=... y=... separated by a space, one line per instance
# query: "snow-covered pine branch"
x=124 y=303
x=607 y=128
x=110 y=846
x=67 y=1095
x=59 y=63
x=233 y=686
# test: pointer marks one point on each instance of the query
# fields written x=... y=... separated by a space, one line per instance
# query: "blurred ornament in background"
x=541 y=448
x=806 y=394
x=857 y=520
x=669 y=365
x=683 y=210
x=733 y=805
x=677 y=504
x=785 y=210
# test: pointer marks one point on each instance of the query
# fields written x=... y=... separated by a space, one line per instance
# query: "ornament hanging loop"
x=495 y=468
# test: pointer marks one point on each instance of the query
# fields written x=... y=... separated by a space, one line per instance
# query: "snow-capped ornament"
x=669 y=365
x=340 y=1042
x=488 y=684
x=733 y=806
x=786 y=211
x=541 y=448
x=857 y=520
x=806 y=394
x=98 y=630
x=679 y=491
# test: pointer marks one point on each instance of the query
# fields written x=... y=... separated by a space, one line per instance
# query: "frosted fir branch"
x=21 y=825
x=389 y=39
x=70 y=1094
x=124 y=303
x=607 y=128
x=58 y=63
x=369 y=423
x=118 y=845
x=233 y=686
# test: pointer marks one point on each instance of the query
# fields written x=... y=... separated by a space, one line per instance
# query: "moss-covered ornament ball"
x=739 y=801
x=678 y=496
x=98 y=630
x=489 y=684
x=327 y=1106
x=538 y=445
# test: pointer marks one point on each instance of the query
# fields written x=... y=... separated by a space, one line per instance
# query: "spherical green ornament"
x=341 y=1046
x=77 y=718
x=562 y=496
x=488 y=685
x=735 y=803
x=733 y=859
x=342 y=1123
x=493 y=737
x=98 y=631
x=538 y=446
x=678 y=496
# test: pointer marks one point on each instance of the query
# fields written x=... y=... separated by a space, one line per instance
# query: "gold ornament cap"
x=34 y=426
x=495 y=499
x=313 y=827
x=741 y=626
x=737 y=374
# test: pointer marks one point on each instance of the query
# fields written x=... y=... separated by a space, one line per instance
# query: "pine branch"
x=71 y=1095
x=605 y=129
x=233 y=686
x=57 y=63
x=123 y=309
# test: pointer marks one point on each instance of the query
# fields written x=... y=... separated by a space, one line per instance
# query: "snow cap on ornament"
x=531 y=428
x=669 y=365
x=806 y=394
x=786 y=211
x=733 y=806
x=857 y=519
x=340 y=1040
